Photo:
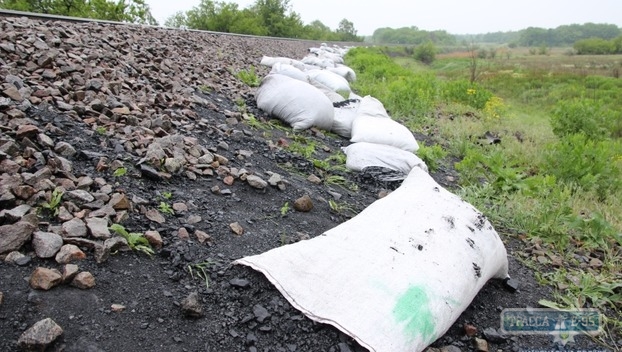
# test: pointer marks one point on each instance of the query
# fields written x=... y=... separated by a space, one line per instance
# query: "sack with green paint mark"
x=396 y=276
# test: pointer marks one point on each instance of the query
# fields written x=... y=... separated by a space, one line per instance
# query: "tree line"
x=412 y=36
x=562 y=36
x=133 y=11
x=273 y=18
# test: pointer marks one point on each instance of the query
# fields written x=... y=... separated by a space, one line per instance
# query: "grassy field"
x=553 y=182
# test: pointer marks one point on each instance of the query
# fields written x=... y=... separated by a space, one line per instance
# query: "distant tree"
x=346 y=31
x=533 y=36
x=317 y=30
x=265 y=17
x=135 y=11
x=278 y=18
x=426 y=52
x=473 y=55
x=248 y=23
x=177 y=20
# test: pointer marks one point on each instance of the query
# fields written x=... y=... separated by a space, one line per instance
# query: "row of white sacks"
x=302 y=93
x=399 y=274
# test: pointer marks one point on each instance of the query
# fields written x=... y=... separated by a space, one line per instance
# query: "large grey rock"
x=98 y=227
x=13 y=237
x=191 y=307
x=39 y=336
x=256 y=182
x=46 y=244
x=74 y=228
x=79 y=196
x=16 y=213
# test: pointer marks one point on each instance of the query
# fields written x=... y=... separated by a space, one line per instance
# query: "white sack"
x=381 y=130
x=355 y=96
x=331 y=80
x=270 y=61
x=335 y=58
x=344 y=116
x=290 y=71
x=298 y=103
x=361 y=155
x=316 y=61
x=396 y=276
x=343 y=71
x=333 y=96
x=372 y=107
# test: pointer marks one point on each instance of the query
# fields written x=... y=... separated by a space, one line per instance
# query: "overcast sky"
x=454 y=16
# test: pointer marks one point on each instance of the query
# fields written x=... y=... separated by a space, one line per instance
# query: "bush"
x=594 y=46
x=464 y=92
x=587 y=164
x=426 y=53
x=492 y=168
x=587 y=117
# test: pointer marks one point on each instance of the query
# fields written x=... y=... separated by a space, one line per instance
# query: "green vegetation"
x=412 y=36
x=274 y=18
x=302 y=146
x=134 y=11
x=101 y=130
x=249 y=77
x=285 y=209
x=553 y=182
x=565 y=35
x=166 y=208
x=341 y=208
x=53 y=206
x=122 y=171
x=432 y=156
x=341 y=181
x=201 y=270
x=135 y=240
x=426 y=52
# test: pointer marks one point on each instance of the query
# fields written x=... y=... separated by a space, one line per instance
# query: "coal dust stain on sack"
x=412 y=310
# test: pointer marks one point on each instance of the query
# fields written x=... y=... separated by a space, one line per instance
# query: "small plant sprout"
x=285 y=209
x=200 y=270
x=135 y=240
x=249 y=77
x=165 y=208
x=167 y=195
x=284 y=239
x=340 y=208
x=54 y=203
x=205 y=89
x=119 y=172
x=341 y=182
x=101 y=130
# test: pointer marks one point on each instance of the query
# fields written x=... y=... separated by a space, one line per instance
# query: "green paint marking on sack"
x=412 y=309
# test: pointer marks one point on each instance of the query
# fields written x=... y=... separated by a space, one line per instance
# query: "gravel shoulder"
x=80 y=101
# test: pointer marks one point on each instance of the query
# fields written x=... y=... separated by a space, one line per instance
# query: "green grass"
x=249 y=77
x=555 y=178
x=201 y=270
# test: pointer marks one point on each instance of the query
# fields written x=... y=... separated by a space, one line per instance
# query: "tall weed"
x=585 y=164
x=467 y=93
x=584 y=116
